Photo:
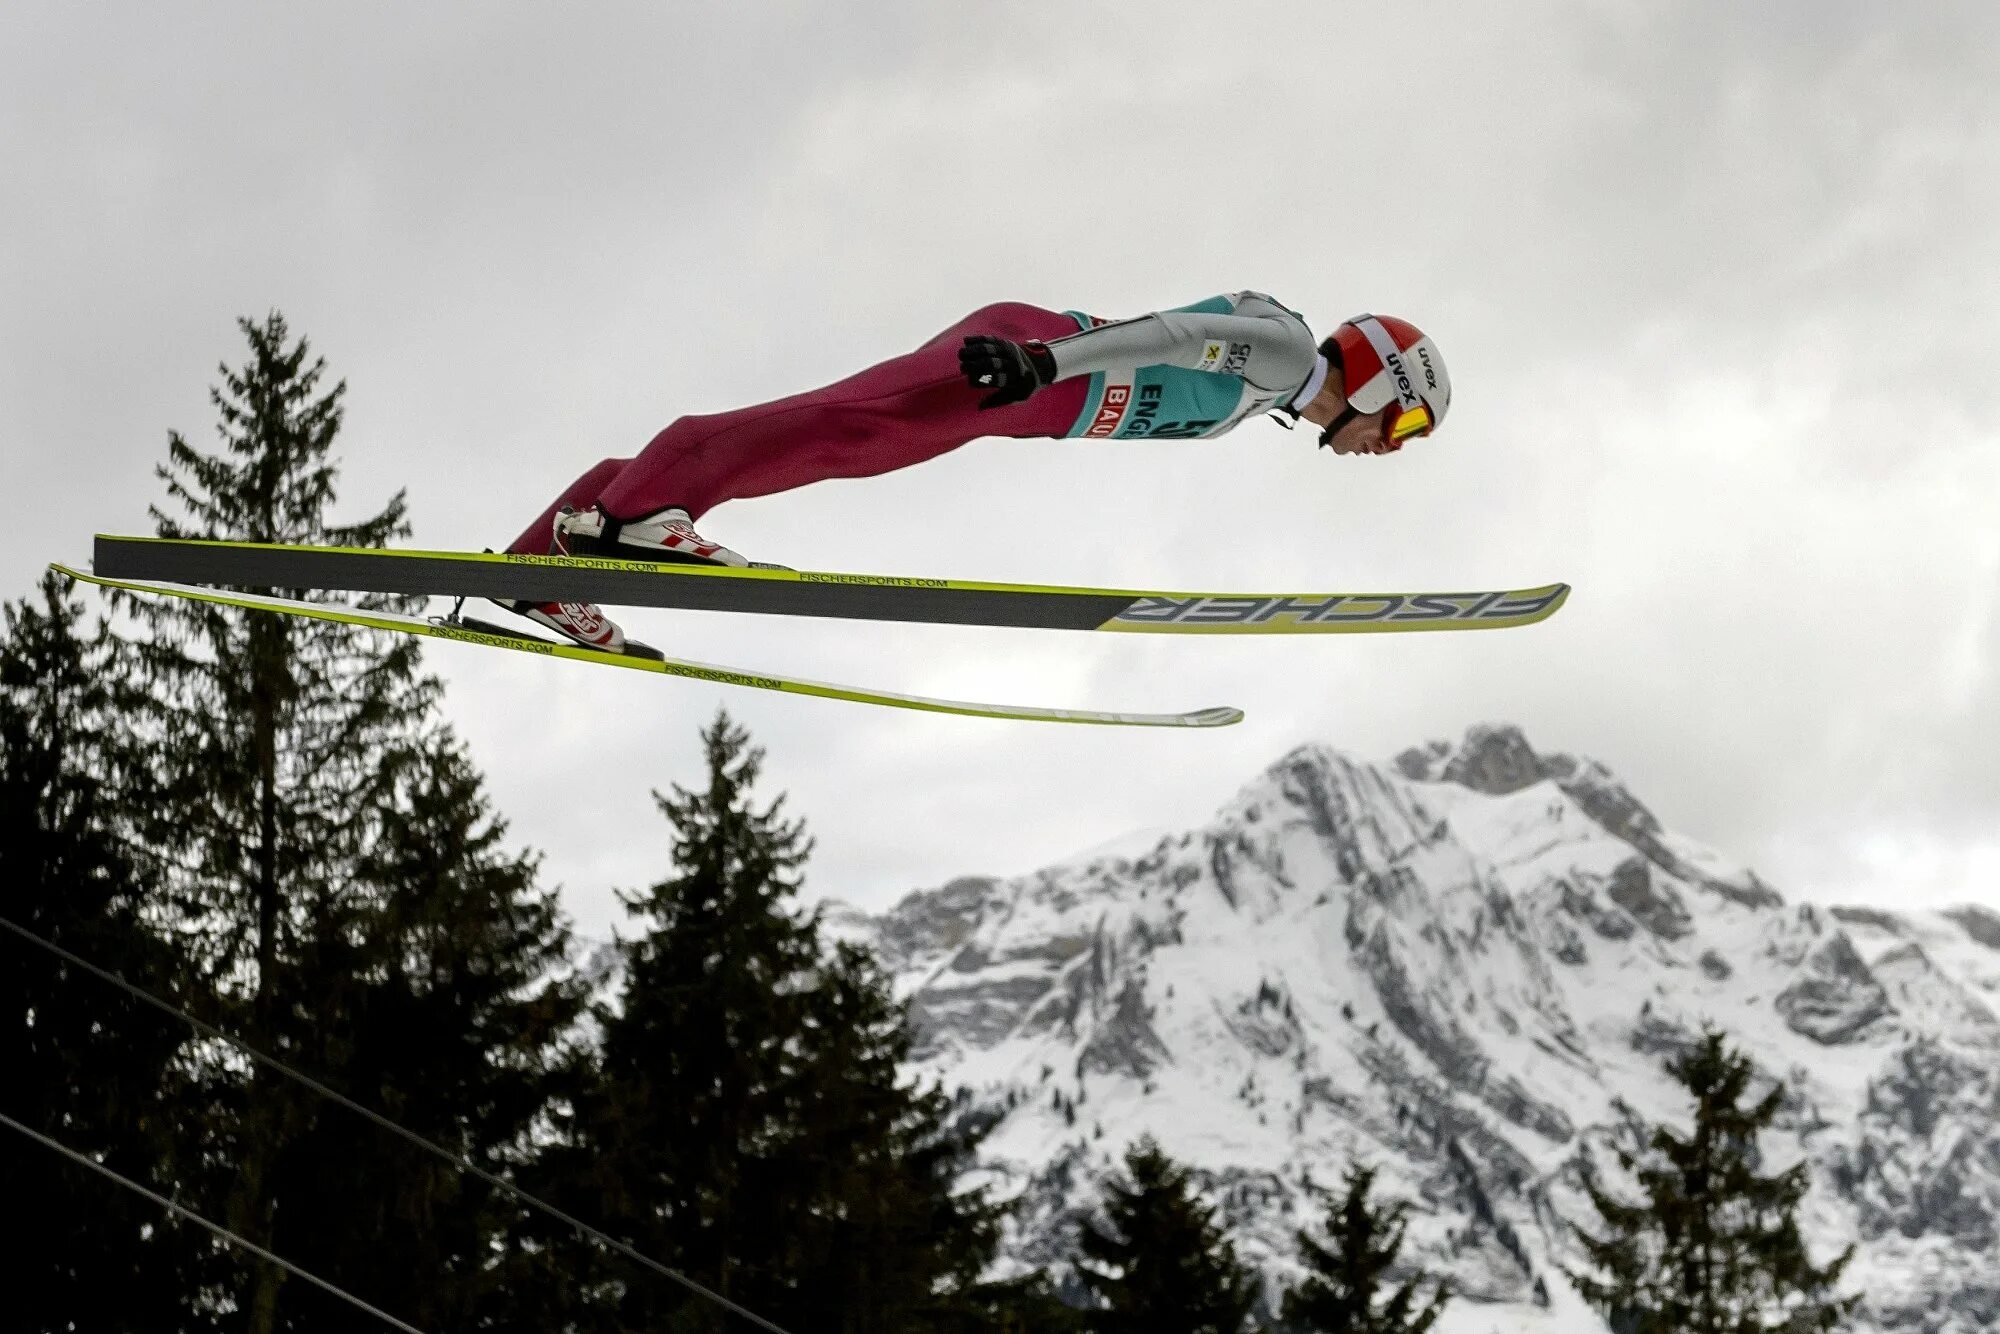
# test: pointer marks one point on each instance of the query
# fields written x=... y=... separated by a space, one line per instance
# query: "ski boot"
x=665 y=535
x=579 y=622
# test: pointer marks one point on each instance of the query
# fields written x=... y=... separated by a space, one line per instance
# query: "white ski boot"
x=582 y=622
x=666 y=535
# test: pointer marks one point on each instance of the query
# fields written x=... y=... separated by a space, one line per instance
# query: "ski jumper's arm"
x=1259 y=341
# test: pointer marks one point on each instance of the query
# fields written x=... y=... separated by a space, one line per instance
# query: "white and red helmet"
x=1384 y=360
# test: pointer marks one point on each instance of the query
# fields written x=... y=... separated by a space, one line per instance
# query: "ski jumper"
x=1194 y=371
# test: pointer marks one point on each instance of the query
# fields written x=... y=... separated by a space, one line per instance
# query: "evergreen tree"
x=330 y=866
x=268 y=738
x=448 y=1018
x=1024 y=1305
x=687 y=1131
x=85 y=1064
x=1162 y=1266
x=1345 y=1279
x=885 y=1240
x=749 y=1124
x=1714 y=1248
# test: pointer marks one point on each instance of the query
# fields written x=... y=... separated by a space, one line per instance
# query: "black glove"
x=1011 y=370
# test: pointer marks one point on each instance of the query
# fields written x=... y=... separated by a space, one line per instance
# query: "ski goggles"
x=1411 y=423
x=1407 y=424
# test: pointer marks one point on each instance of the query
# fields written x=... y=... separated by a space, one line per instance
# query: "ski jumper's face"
x=1357 y=435
x=1366 y=435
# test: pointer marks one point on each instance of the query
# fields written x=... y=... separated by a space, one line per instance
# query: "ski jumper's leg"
x=908 y=409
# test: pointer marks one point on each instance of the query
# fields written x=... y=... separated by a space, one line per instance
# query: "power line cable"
x=456 y=1160
x=217 y=1228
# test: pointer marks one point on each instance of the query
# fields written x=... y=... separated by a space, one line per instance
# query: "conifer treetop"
x=1343 y=1291
x=1160 y=1264
x=1713 y=1245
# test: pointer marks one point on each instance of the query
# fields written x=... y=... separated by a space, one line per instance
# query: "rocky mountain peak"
x=1495 y=759
x=1471 y=967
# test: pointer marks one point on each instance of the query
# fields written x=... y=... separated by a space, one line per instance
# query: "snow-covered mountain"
x=1469 y=967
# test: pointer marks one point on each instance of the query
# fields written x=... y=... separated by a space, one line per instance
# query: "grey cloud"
x=1716 y=284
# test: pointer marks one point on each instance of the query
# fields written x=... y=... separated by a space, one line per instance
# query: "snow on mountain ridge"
x=1469 y=967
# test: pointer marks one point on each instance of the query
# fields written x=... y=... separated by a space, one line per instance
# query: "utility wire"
x=456 y=1160
x=216 y=1228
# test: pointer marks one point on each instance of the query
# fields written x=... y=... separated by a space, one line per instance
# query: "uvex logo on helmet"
x=1399 y=375
x=1386 y=360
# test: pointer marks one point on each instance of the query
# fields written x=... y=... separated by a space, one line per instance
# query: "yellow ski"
x=635 y=583
x=494 y=637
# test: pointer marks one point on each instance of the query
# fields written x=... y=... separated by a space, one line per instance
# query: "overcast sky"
x=1718 y=284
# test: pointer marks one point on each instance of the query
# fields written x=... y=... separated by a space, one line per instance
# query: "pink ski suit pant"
x=908 y=409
